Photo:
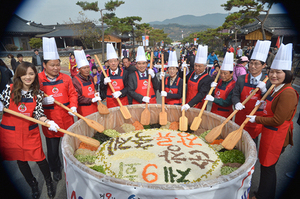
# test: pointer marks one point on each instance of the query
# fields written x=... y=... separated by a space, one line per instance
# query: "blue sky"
x=53 y=11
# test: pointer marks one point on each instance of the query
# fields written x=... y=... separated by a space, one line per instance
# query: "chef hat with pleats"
x=140 y=55
x=201 y=56
x=283 y=58
x=261 y=50
x=172 y=61
x=110 y=52
x=80 y=58
x=50 y=49
x=227 y=62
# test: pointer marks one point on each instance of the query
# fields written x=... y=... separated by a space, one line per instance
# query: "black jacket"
x=6 y=76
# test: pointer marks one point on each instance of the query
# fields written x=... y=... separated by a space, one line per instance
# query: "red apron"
x=20 y=139
x=173 y=89
x=88 y=91
x=253 y=129
x=118 y=84
x=273 y=137
x=54 y=112
x=142 y=85
x=192 y=87
x=223 y=92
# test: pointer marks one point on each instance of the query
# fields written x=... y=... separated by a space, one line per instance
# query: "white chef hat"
x=80 y=58
x=283 y=58
x=172 y=61
x=261 y=50
x=227 y=62
x=110 y=52
x=201 y=57
x=50 y=49
x=140 y=55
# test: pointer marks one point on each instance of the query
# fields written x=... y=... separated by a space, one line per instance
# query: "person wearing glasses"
x=245 y=84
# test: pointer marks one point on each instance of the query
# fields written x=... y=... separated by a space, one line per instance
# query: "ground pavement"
x=288 y=162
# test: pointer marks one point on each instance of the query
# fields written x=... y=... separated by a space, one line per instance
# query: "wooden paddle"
x=102 y=109
x=85 y=139
x=145 y=117
x=183 y=120
x=91 y=123
x=124 y=110
x=163 y=117
x=216 y=131
x=232 y=138
x=197 y=120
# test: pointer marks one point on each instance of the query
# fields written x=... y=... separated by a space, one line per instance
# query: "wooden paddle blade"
x=89 y=141
x=102 y=109
x=145 y=117
x=95 y=125
x=125 y=112
x=183 y=123
x=196 y=123
x=232 y=139
x=214 y=133
x=163 y=118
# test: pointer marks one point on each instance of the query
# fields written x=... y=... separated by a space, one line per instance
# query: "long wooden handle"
x=37 y=121
x=149 y=78
x=162 y=84
x=109 y=83
x=209 y=93
x=183 y=90
x=256 y=107
x=244 y=102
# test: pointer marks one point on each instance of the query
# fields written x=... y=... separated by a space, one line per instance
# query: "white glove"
x=1 y=106
x=262 y=86
x=184 y=65
x=185 y=107
x=252 y=118
x=213 y=84
x=95 y=99
x=209 y=98
x=106 y=80
x=74 y=109
x=162 y=75
x=97 y=94
x=239 y=106
x=117 y=94
x=151 y=72
x=53 y=125
x=48 y=100
x=261 y=102
x=163 y=93
x=146 y=99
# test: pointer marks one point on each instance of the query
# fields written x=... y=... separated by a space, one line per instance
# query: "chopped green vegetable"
x=147 y=126
x=98 y=168
x=101 y=137
x=232 y=156
x=111 y=133
x=155 y=126
x=227 y=170
x=86 y=159
x=204 y=134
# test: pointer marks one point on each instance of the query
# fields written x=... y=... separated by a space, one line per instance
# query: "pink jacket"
x=238 y=70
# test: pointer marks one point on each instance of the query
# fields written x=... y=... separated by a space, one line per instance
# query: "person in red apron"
x=173 y=83
x=118 y=78
x=19 y=138
x=222 y=104
x=58 y=86
x=279 y=110
x=247 y=83
x=138 y=81
x=198 y=82
x=85 y=87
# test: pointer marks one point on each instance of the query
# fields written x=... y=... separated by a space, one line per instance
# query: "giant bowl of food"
x=136 y=161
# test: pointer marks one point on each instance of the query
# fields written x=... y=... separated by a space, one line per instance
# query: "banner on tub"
x=81 y=185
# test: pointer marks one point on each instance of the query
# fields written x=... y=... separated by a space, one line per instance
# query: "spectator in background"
x=212 y=57
x=166 y=56
x=13 y=62
x=20 y=59
x=240 y=67
x=191 y=61
x=214 y=74
x=125 y=54
x=251 y=51
x=239 y=52
x=231 y=49
x=224 y=50
x=270 y=59
x=155 y=54
x=275 y=50
x=89 y=58
x=247 y=52
x=37 y=60
x=73 y=65
x=6 y=75
x=96 y=78
x=128 y=66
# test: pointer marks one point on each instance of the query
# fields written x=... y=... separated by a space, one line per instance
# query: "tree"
x=108 y=6
x=85 y=30
x=35 y=42
x=249 y=9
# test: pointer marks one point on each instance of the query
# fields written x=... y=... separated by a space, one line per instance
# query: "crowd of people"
x=37 y=85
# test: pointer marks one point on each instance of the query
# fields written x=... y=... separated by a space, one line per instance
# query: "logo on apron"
x=90 y=89
x=114 y=83
x=217 y=95
x=170 y=91
x=145 y=83
x=22 y=108
x=55 y=90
